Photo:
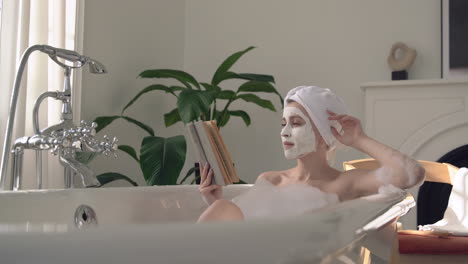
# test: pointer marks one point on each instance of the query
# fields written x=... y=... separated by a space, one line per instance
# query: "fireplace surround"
x=426 y=119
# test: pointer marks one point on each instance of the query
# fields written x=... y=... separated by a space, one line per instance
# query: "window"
x=50 y=22
x=1 y=5
x=454 y=38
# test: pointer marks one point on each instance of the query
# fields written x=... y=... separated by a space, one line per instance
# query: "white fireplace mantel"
x=412 y=115
x=422 y=118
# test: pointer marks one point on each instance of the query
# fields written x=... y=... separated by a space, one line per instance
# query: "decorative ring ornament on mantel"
x=405 y=61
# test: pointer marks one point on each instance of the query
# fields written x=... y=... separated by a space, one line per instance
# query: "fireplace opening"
x=457 y=157
x=433 y=196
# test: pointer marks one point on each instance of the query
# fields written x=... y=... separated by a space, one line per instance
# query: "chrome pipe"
x=37 y=131
x=17 y=170
x=65 y=96
x=67 y=178
x=11 y=116
x=39 y=169
x=37 y=104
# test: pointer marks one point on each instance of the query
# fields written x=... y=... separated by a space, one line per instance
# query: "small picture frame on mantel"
x=454 y=39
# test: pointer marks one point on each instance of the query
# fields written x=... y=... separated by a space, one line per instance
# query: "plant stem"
x=214 y=109
x=225 y=110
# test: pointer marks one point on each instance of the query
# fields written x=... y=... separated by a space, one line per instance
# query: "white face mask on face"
x=302 y=137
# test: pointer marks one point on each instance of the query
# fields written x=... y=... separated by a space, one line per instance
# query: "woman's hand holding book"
x=210 y=193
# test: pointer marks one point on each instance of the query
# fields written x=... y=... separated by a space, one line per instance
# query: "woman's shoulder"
x=275 y=177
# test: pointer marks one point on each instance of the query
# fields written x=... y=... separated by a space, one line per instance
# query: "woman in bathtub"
x=315 y=122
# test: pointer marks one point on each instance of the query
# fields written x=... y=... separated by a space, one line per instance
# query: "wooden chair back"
x=435 y=171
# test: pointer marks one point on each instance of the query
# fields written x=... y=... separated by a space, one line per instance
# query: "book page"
x=216 y=152
x=193 y=134
x=231 y=171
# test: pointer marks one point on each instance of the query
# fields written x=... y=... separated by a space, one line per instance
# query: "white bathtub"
x=156 y=225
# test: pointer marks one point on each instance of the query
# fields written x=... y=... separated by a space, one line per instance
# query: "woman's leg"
x=221 y=210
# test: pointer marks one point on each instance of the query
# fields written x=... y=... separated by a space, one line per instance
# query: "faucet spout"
x=88 y=178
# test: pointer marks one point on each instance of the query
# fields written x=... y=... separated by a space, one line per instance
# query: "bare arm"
x=396 y=168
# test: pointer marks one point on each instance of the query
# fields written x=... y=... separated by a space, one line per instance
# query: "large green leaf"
x=175 y=88
x=114 y=176
x=192 y=103
x=210 y=87
x=130 y=151
x=256 y=86
x=249 y=77
x=256 y=77
x=257 y=100
x=140 y=124
x=103 y=121
x=181 y=76
x=242 y=114
x=172 y=117
x=150 y=88
x=222 y=71
x=226 y=94
x=222 y=118
x=259 y=86
x=211 y=95
x=162 y=159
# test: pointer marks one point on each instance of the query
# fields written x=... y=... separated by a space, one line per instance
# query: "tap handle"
x=87 y=133
x=76 y=138
x=109 y=146
x=87 y=129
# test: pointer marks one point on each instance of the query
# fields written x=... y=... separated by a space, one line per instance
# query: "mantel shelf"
x=413 y=83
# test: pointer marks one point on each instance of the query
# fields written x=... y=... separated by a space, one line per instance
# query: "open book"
x=210 y=148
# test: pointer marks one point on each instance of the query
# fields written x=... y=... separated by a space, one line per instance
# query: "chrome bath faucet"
x=64 y=139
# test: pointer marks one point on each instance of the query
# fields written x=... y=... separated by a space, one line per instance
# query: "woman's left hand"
x=351 y=128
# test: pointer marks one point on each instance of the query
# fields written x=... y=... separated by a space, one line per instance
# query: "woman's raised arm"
x=396 y=168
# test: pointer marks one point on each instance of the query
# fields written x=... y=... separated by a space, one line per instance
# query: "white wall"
x=129 y=37
x=330 y=43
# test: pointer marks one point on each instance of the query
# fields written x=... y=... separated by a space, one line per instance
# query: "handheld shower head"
x=69 y=55
x=73 y=56
x=95 y=66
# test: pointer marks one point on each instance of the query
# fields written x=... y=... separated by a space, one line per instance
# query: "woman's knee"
x=222 y=210
x=223 y=203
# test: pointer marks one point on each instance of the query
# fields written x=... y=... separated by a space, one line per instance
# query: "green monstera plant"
x=161 y=159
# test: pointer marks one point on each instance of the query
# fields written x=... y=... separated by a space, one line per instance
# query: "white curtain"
x=26 y=23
